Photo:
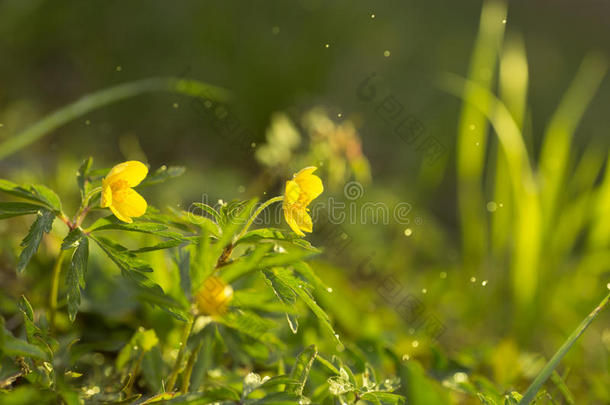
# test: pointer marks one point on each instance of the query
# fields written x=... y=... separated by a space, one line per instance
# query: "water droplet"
x=415 y=343
x=329 y=289
x=119 y=68
x=484 y=283
x=443 y=275
x=504 y=21
x=492 y=206
x=175 y=105
x=275 y=30
x=460 y=377
x=327 y=46
x=424 y=291
x=1 y=125
x=478 y=144
x=472 y=127
x=473 y=279
x=408 y=232
x=386 y=53
x=608 y=286
x=87 y=122
x=500 y=205
x=253 y=144
x=339 y=115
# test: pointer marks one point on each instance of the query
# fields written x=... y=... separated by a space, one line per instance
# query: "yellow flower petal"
x=106 y=195
x=291 y=195
x=303 y=220
x=309 y=183
x=291 y=221
x=132 y=172
x=127 y=203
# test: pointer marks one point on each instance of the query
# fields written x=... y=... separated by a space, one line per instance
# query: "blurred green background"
x=289 y=57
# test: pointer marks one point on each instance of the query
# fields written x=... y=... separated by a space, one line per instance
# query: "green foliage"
x=41 y=225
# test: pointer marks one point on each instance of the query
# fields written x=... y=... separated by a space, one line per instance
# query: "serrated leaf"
x=121 y=256
x=14 y=209
x=162 y=174
x=209 y=209
x=34 y=334
x=30 y=243
x=82 y=174
x=112 y=223
x=286 y=295
x=75 y=278
x=146 y=289
x=301 y=288
x=33 y=192
x=11 y=346
x=300 y=370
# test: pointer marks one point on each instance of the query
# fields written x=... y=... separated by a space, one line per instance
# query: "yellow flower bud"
x=213 y=297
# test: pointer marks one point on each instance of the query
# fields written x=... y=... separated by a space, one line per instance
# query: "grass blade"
x=552 y=364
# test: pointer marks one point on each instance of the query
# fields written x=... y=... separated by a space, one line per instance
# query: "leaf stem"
x=257 y=213
x=186 y=333
x=55 y=288
x=550 y=366
x=226 y=253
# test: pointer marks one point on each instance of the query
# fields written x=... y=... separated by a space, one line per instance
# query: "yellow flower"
x=300 y=191
x=118 y=194
x=213 y=297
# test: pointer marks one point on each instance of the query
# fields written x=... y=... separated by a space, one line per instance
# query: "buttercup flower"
x=117 y=191
x=300 y=191
x=213 y=297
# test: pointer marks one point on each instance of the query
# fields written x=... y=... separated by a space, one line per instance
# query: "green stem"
x=84 y=208
x=102 y=98
x=55 y=288
x=186 y=332
x=186 y=378
x=550 y=366
x=257 y=213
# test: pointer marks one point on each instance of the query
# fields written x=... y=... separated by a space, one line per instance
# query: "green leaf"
x=142 y=341
x=121 y=256
x=286 y=295
x=11 y=346
x=249 y=324
x=146 y=289
x=378 y=397
x=209 y=209
x=82 y=175
x=245 y=264
x=75 y=279
x=161 y=175
x=30 y=243
x=34 y=334
x=14 y=209
x=33 y=192
x=112 y=223
x=300 y=370
x=286 y=277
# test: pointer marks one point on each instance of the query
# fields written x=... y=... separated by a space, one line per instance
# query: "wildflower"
x=118 y=194
x=213 y=297
x=300 y=191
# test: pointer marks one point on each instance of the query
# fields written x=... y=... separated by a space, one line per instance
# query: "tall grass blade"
x=548 y=369
x=102 y=98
